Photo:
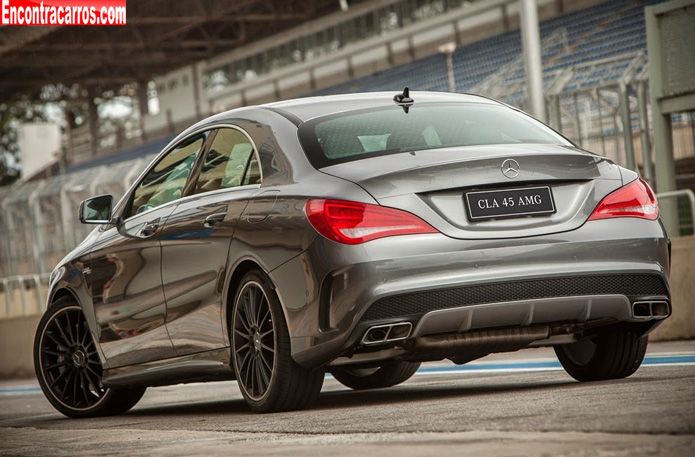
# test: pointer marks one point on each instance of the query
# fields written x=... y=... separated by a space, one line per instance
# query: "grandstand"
x=595 y=73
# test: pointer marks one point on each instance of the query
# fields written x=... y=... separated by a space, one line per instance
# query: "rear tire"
x=68 y=367
x=609 y=355
x=269 y=379
x=375 y=378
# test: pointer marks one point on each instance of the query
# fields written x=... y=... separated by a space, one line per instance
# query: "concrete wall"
x=17 y=333
x=16 y=344
x=681 y=324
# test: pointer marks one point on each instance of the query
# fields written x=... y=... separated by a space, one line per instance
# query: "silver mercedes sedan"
x=359 y=235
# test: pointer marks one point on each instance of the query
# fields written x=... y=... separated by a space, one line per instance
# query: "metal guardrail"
x=681 y=193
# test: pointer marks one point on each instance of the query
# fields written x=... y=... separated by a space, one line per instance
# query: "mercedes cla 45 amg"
x=358 y=235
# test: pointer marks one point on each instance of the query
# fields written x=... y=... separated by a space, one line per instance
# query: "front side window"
x=230 y=162
x=356 y=135
x=166 y=181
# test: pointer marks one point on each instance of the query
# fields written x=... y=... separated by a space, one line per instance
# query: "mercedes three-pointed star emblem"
x=510 y=168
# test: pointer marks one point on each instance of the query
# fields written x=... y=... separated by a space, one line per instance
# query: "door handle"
x=214 y=220
x=150 y=228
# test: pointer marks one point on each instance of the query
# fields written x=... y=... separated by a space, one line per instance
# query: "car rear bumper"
x=441 y=285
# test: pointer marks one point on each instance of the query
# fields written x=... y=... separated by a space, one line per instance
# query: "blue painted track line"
x=546 y=364
x=653 y=360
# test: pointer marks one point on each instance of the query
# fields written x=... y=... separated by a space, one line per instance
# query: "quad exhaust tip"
x=650 y=309
x=381 y=334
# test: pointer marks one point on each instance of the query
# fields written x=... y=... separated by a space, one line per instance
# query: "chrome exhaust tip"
x=650 y=309
x=387 y=333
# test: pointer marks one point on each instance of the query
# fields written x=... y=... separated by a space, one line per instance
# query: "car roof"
x=300 y=110
x=311 y=107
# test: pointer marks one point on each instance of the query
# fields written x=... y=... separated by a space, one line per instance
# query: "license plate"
x=523 y=201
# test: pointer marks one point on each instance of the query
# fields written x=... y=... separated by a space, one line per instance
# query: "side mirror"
x=96 y=210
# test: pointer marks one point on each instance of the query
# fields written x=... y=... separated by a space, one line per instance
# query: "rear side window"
x=230 y=162
x=357 y=135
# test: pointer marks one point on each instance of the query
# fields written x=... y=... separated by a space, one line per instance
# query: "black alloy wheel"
x=254 y=340
x=68 y=367
x=269 y=379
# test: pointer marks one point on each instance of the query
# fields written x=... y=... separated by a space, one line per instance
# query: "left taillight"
x=354 y=223
x=635 y=199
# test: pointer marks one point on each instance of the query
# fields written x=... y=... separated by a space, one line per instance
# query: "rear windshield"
x=358 y=135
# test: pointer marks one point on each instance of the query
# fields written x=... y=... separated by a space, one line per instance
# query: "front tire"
x=375 y=378
x=269 y=379
x=609 y=355
x=68 y=368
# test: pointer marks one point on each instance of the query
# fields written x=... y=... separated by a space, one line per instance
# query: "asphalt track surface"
x=508 y=404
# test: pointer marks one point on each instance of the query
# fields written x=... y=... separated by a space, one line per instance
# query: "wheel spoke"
x=266 y=316
x=249 y=376
x=69 y=383
x=85 y=388
x=245 y=347
x=260 y=380
x=259 y=310
x=267 y=348
x=244 y=360
x=251 y=312
x=86 y=334
x=54 y=353
x=267 y=369
x=68 y=329
x=66 y=341
x=89 y=370
x=58 y=378
x=91 y=384
x=244 y=335
x=55 y=365
x=78 y=326
x=244 y=321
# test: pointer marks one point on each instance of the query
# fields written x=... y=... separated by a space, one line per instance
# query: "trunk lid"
x=432 y=184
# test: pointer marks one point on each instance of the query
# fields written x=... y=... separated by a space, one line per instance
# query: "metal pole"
x=8 y=303
x=557 y=113
x=627 y=127
x=616 y=137
x=450 y=72
x=692 y=129
x=448 y=50
x=93 y=124
x=531 y=42
x=600 y=122
x=37 y=228
x=664 y=163
x=577 y=120
x=644 y=133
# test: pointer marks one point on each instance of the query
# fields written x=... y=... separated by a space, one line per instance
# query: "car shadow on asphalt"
x=415 y=391
x=344 y=399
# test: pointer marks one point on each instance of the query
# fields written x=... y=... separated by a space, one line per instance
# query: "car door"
x=196 y=240
x=125 y=279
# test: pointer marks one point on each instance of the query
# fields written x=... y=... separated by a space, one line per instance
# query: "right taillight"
x=635 y=199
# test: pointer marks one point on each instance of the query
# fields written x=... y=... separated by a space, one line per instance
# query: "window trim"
x=122 y=205
x=131 y=192
x=190 y=186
